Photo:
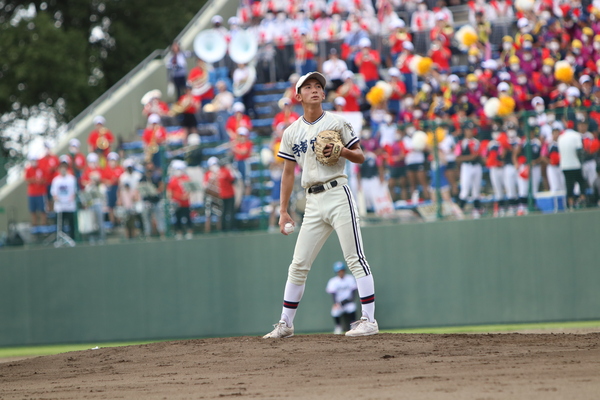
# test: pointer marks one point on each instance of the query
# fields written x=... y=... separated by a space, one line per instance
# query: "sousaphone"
x=242 y=50
x=210 y=46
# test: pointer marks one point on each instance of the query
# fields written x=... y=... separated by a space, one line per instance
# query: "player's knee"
x=297 y=274
x=357 y=268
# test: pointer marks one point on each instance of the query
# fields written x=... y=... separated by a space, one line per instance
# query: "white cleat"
x=363 y=327
x=281 y=331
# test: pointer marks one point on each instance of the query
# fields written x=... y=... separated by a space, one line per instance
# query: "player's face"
x=311 y=92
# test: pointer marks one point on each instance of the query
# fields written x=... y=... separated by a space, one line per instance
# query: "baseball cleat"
x=363 y=327
x=281 y=331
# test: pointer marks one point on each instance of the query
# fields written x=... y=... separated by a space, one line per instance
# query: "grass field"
x=32 y=351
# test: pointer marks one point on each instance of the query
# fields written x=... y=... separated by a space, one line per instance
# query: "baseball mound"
x=386 y=366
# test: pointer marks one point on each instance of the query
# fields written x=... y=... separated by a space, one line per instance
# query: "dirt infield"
x=387 y=366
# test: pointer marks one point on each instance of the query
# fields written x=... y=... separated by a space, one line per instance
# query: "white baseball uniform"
x=332 y=207
x=470 y=171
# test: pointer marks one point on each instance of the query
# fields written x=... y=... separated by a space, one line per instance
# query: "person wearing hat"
x=184 y=109
x=238 y=120
x=177 y=66
x=403 y=64
x=36 y=180
x=219 y=195
x=468 y=152
x=217 y=22
x=398 y=91
x=286 y=115
x=92 y=166
x=440 y=55
x=587 y=90
x=350 y=92
x=343 y=289
x=551 y=154
x=153 y=104
x=78 y=162
x=111 y=174
x=201 y=87
x=64 y=190
x=49 y=164
x=180 y=197
x=333 y=69
x=330 y=205
x=508 y=49
x=101 y=139
x=154 y=208
x=368 y=61
x=544 y=81
x=397 y=38
x=154 y=136
x=338 y=104
x=242 y=150
x=305 y=50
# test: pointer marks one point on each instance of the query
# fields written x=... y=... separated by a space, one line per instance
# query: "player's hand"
x=285 y=218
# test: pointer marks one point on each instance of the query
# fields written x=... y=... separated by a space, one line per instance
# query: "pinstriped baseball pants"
x=333 y=209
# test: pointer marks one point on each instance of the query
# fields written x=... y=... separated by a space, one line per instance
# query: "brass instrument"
x=102 y=142
x=152 y=147
x=180 y=107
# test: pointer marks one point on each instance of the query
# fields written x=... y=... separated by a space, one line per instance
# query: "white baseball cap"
x=154 y=119
x=584 y=79
x=522 y=22
x=212 y=161
x=394 y=71
x=573 y=91
x=340 y=101
x=233 y=21
x=238 y=107
x=397 y=23
x=217 y=19
x=99 y=119
x=537 y=100
x=347 y=74
x=178 y=164
x=453 y=78
x=364 y=42
x=64 y=159
x=242 y=130
x=503 y=87
x=74 y=143
x=112 y=156
x=92 y=158
x=557 y=125
x=504 y=76
x=128 y=163
x=311 y=75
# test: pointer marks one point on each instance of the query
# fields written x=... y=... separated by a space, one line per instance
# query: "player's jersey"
x=536 y=148
x=447 y=147
x=298 y=144
x=341 y=287
x=493 y=155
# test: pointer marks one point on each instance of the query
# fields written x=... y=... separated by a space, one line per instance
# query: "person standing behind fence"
x=177 y=193
x=36 y=191
x=111 y=174
x=421 y=22
x=343 y=289
x=368 y=61
x=469 y=156
x=153 y=203
x=570 y=147
x=177 y=67
x=64 y=190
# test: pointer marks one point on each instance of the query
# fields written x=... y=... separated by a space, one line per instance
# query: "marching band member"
x=186 y=108
x=237 y=120
x=350 y=92
x=154 y=104
x=202 y=90
x=286 y=115
x=153 y=136
x=100 y=139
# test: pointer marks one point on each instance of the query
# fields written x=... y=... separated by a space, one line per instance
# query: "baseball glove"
x=323 y=139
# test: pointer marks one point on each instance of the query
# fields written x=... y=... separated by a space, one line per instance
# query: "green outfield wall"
x=510 y=270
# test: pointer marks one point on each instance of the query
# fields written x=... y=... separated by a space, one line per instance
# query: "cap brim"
x=313 y=75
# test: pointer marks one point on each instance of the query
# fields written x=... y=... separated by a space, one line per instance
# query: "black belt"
x=321 y=188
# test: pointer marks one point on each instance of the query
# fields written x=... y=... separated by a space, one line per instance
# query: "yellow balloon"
x=469 y=38
x=563 y=71
x=424 y=66
x=376 y=96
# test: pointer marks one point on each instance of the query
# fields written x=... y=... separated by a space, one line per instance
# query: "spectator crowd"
x=510 y=93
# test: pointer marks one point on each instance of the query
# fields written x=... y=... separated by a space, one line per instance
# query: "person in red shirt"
x=403 y=64
x=368 y=60
x=154 y=136
x=242 y=150
x=237 y=120
x=36 y=190
x=218 y=181
x=398 y=91
x=177 y=193
x=397 y=39
x=440 y=55
x=92 y=166
x=202 y=90
x=350 y=92
x=110 y=176
x=100 y=139
x=286 y=115
x=49 y=164
x=77 y=163
x=153 y=104
x=305 y=49
x=185 y=109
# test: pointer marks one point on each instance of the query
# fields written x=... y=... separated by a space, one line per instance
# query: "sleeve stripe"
x=286 y=156
x=352 y=142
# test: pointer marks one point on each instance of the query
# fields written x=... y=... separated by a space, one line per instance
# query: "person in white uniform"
x=343 y=289
x=329 y=206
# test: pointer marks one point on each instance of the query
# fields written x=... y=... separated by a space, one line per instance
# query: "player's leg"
x=496 y=179
x=465 y=183
x=477 y=175
x=536 y=178
x=343 y=215
x=313 y=234
x=510 y=186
